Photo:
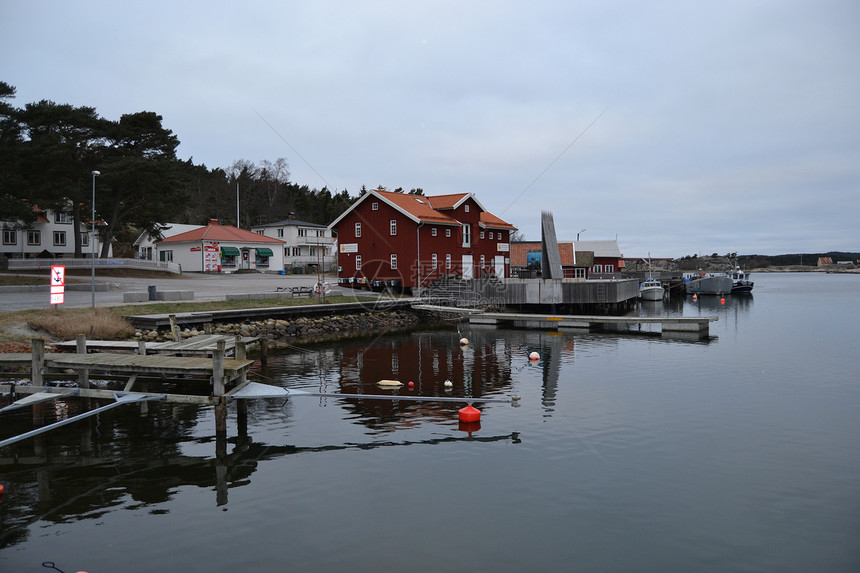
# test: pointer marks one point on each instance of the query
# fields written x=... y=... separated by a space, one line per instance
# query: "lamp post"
x=93 y=239
x=582 y=231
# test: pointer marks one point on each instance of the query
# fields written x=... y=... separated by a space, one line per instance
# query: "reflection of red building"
x=403 y=240
x=427 y=360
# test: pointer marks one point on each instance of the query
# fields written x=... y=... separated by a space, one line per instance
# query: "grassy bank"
x=107 y=323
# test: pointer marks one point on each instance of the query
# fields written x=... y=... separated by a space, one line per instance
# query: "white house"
x=144 y=245
x=305 y=244
x=51 y=235
x=221 y=249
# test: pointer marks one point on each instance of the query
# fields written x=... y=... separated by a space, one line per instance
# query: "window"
x=467 y=235
x=303 y=232
x=358 y=262
x=393 y=226
x=375 y=206
x=447 y=261
x=357 y=230
x=321 y=233
x=434 y=261
x=85 y=239
x=433 y=232
x=482 y=234
x=260 y=232
x=59 y=238
x=297 y=251
x=597 y=269
x=313 y=251
x=34 y=237
x=482 y=261
x=64 y=218
x=609 y=268
x=393 y=261
x=447 y=232
x=10 y=237
x=491 y=235
x=466 y=207
x=280 y=233
x=165 y=256
x=579 y=273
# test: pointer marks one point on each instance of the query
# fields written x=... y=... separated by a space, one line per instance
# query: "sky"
x=675 y=127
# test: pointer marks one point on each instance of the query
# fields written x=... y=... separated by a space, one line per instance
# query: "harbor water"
x=627 y=452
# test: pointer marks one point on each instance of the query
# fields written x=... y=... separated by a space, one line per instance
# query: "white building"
x=221 y=249
x=305 y=244
x=51 y=235
x=144 y=245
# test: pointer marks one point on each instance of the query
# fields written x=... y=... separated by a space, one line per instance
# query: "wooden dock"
x=215 y=372
x=204 y=344
x=669 y=325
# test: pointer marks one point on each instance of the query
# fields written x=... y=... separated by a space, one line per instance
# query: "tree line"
x=50 y=151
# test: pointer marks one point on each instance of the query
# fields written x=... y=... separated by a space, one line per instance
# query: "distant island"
x=833 y=262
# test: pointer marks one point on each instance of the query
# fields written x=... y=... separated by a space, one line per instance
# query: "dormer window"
x=466 y=207
x=375 y=206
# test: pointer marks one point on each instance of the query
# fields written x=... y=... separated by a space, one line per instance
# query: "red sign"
x=58 y=284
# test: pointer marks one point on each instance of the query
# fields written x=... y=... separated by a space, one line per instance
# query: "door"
x=499 y=261
x=468 y=267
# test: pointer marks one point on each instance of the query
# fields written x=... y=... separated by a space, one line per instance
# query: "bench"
x=297 y=290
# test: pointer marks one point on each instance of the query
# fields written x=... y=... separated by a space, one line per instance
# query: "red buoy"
x=722 y=301
x=2 y=489
x=470 y=414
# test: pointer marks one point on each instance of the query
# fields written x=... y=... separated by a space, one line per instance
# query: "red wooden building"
x=402 y=240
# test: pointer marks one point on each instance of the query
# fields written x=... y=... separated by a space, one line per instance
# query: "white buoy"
x=534 y=356
x=464 y=341
x=390 y=383
x=448 y=384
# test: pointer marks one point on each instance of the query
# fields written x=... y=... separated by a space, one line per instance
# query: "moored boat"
x=651 y=289
x=741 y=283
x=702 y=283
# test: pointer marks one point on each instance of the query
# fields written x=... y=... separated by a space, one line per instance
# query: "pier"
x=669 y=325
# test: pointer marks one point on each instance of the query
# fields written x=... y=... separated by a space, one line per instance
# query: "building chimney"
x=291 y=215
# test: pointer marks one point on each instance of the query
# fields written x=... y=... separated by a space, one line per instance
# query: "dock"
x=670 y=325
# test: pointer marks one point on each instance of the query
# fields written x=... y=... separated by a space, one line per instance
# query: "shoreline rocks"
x=306 y=329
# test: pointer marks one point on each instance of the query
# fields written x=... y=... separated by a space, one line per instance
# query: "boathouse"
x=389 y=239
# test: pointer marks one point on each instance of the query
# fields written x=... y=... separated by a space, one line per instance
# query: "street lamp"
x=93 y=239
x=582 y=231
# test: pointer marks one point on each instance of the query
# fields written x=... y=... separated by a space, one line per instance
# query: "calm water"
x=628 y=453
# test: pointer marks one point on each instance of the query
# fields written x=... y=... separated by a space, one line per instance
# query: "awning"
x=229 y=252
x=265 y=252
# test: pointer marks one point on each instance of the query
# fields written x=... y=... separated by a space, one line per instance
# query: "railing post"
x=84 y=373
x=218 y=369
x=38 y=362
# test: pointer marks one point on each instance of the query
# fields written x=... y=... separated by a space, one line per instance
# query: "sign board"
x=349 y=247
x=211 y=256
x=503 y=247
x=58 y=284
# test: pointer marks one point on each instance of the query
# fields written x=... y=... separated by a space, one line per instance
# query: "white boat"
x=651 y=289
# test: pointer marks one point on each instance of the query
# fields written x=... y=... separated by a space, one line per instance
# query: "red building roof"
x=429 y=209
x=215 y=231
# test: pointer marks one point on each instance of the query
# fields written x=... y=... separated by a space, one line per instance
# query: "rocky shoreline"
x=307 y=329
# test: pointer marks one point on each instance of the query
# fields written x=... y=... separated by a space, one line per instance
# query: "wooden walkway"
x=216 y=372
x=697 y=325
x=201 y=344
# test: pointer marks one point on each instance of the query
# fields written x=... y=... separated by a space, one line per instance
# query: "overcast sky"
x=679 y=127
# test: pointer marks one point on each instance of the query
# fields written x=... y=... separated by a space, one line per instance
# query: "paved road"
x=205 y=287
